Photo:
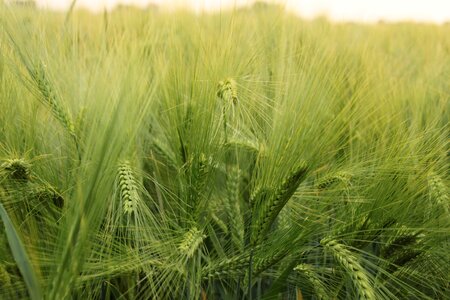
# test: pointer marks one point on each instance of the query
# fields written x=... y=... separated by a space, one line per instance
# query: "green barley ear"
x=233 y=207
x=80 y=121
x=233 y=181
x=316 y=283
x=331 y=179
x=244 y=144
x=127 y=185
x=402 y=248
x=231 y=267
x=269 y=207
x=221 y=224
x=398 y=243
x=17 y=169
x=227 y=90
x=191 y=242
x=202 y=171
x=351 y=264
x=268 y=260
x=5 y=278
x=258 y=195
x=49 y=98
x=48 y=193
x=438 y=191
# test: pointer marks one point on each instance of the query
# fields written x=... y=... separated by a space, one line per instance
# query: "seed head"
x=17 y=169
x=227 y=90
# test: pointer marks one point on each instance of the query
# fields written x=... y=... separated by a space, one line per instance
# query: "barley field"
x=247 y=154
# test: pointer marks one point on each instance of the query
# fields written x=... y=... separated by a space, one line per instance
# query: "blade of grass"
x=21 y=257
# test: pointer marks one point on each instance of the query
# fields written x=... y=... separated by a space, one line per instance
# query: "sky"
x=437 y=11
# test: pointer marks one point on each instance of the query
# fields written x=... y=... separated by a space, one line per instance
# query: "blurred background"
x=435 y=11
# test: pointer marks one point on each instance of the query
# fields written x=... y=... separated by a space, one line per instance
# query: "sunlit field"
x=246 y=154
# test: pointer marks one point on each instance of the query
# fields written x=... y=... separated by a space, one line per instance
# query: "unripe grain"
x=351 y=264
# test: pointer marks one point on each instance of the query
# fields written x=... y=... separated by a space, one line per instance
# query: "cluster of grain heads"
x=46 y=203
x=402 y=248
x=16 y=169
x=129 y=192
x=332 y=179
x=351 y=265
x=191 y=242
x=268 y=206
x=37 y=201
x=311 y=275
x=399 y=242
x=227 y=90
x=360 y=232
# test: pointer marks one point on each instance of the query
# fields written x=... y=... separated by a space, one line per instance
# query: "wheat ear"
x=317 y=284
x=127 y=184
x=351 y=264
x=48 y=193
x=50 y=99
x=236 y=222
x=191 y=242
x=227 y=90
x=5 y=278
x=262 y=264
x=269 y=208
x=17 y=169
x=438 y=191
x=228 y=267
x=331 y=179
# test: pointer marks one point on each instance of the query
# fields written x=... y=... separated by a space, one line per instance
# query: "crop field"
x=246 y=154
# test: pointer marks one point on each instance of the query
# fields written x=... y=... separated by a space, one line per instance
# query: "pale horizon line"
x=365 y=11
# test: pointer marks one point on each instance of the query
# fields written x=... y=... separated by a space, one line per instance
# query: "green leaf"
x=21 y=257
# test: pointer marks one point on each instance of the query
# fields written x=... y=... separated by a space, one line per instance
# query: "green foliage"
x=251 y=155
